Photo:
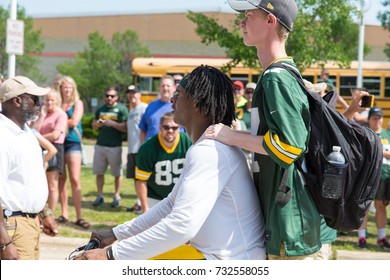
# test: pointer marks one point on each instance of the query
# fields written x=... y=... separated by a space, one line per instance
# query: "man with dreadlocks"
x=213 y=206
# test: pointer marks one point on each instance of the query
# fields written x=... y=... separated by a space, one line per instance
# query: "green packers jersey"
x=385 y=139
x=160 y=166
x=283 y=119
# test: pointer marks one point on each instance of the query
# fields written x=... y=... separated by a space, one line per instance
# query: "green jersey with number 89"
x=161 y=166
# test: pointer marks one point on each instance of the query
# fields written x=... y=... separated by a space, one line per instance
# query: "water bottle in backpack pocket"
x=334 y=174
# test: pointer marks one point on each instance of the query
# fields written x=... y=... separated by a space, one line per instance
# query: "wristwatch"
x=43 y=214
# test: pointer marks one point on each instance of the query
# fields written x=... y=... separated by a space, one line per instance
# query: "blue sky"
x=55 y=8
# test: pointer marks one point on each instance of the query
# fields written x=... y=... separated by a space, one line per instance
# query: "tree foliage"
x=104 y=63
x=384 y=18
x=323 y=32
x=26 y=64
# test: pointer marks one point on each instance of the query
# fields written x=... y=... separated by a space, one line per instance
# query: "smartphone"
x=367 y=101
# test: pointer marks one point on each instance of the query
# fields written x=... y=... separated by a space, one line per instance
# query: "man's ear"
x=271 y=19
x=17 y=101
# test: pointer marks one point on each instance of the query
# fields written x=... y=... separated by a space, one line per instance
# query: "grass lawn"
x=105 y=217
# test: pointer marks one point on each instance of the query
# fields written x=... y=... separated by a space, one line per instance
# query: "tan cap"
x=315 y=87
x=18 y=85
x=250 y=85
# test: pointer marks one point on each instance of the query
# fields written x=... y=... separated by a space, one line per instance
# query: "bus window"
x=347 y=83
x=148 y=84
x=145 y=83
x=309 y=78
x=240 y=77
x=156 y=85
x=255 y=78
x=387 y=87
x=372 y=84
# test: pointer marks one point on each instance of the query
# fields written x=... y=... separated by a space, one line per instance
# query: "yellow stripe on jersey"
x=142 y=175
x=282 y=150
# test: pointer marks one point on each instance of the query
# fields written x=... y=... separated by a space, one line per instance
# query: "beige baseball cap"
x=18 y=85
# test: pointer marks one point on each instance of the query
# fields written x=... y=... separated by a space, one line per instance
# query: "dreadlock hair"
x=213 y=93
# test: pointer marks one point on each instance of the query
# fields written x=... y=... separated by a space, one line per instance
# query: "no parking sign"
x=15 y=37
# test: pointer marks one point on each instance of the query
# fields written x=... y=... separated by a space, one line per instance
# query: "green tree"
x=323 y=32
x=384 y=18
x=26 y=64
x=103 y=63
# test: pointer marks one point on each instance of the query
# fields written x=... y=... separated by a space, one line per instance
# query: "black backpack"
x=343 y=209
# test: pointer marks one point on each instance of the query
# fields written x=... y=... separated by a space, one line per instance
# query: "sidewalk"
x=59 y=248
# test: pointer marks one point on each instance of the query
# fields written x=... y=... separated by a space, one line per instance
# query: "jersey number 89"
x=167 y=172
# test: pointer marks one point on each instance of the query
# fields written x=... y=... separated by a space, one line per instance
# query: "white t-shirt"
x=214 y=205
x=133 y=130
x=23 y=184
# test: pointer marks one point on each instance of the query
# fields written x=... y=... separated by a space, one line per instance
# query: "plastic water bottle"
x=334 y=175
x=336 y=157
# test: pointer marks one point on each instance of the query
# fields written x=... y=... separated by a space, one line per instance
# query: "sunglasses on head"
x=167 y=127
x=110 y=96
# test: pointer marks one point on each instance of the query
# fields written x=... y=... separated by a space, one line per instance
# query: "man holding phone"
x=358 y=109
x=111 y=122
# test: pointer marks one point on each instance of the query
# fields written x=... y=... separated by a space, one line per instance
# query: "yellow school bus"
x=376 y=76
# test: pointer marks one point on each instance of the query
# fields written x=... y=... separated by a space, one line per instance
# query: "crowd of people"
x=188 y=154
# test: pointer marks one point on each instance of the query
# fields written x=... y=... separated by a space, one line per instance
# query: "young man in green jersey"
x=279 y=136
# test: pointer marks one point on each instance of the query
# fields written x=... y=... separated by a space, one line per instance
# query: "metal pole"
x=364 y=6
x=12 y=57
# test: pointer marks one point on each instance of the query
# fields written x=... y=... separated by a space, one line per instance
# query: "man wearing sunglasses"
x=160 y=161
x=110 y=120
x=23 y=185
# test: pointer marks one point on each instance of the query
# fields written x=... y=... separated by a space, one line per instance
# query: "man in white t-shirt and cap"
x=137 y=109
x=23 y=185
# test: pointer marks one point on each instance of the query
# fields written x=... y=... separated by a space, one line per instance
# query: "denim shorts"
x=72 y=147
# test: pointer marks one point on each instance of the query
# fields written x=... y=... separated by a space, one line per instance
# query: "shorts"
x=380 y=193
x=104 y=156
x=72 y=147
x=130 y=168
x=56 y=163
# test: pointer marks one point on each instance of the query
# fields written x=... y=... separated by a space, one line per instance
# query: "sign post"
x=15 y=38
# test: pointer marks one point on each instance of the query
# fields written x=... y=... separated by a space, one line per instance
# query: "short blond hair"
x=57 y=96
